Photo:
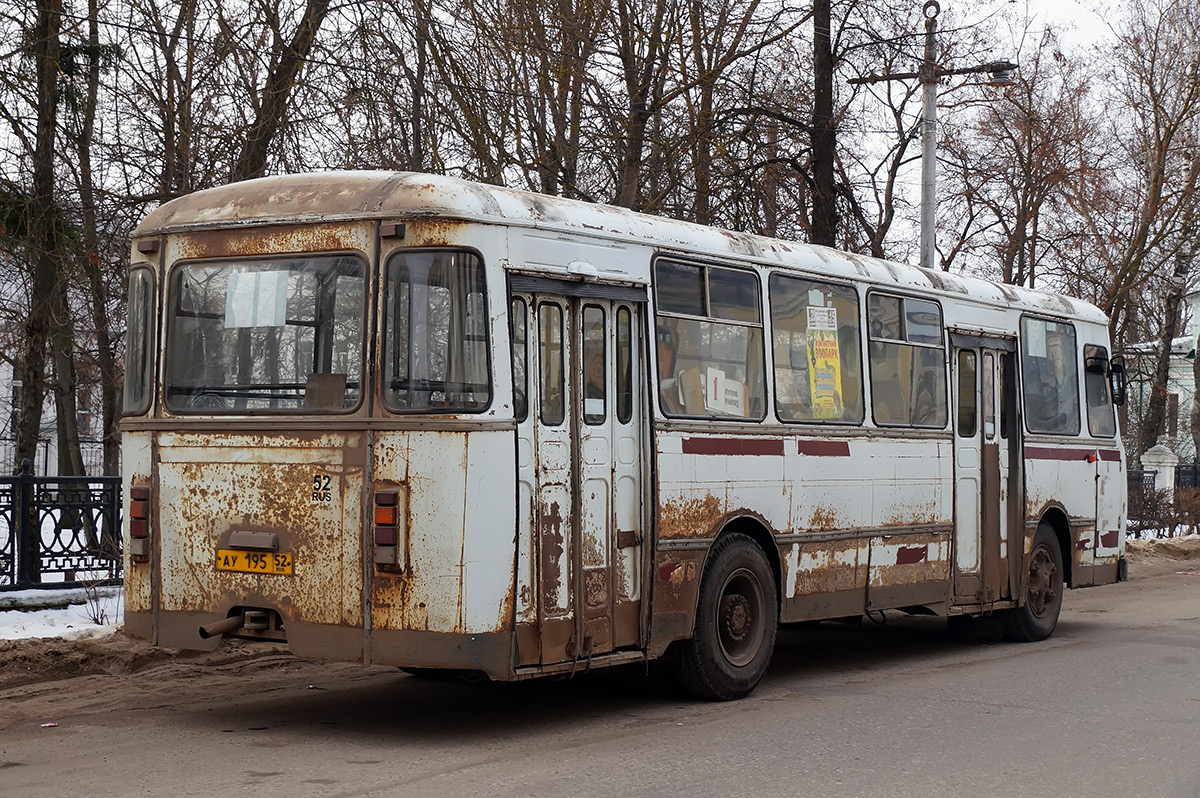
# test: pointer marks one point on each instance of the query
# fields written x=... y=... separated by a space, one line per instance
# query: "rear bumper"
x=490 y=653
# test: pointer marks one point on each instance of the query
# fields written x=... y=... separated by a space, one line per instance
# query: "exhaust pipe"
x=219 y=628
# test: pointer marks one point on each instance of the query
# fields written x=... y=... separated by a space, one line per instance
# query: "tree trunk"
x=110 y=371
x=823 y=135
x=1152 y=423
x=43 y=233
x=277 y=92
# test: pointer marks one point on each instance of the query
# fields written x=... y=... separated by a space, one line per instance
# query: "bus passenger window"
x=907 y=361
x=816 y=347
x=709 y=341
x=520 y=359
x=550 y=362
x=1049 y=376
x=595 y=366
x=1095 y=383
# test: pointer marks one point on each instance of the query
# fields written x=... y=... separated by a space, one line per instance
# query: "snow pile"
x=68 y=614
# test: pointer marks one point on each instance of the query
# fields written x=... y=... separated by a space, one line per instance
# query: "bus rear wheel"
x=737 y=618
x=1036 y=618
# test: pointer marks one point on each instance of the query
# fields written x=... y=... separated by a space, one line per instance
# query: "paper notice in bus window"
x=1035 y=338
x=256 y=299
x=723 y=395
x=825 y=363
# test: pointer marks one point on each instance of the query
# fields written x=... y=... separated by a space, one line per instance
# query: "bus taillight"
x=139 y=523
x=386 y=537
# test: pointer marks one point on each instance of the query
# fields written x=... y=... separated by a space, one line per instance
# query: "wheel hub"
x=737 y=617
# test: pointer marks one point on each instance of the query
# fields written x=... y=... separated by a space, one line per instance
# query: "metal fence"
x=1187 y=475
x=59 y=531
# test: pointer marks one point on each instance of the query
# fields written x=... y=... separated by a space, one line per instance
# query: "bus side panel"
x=1110 y=516
x=845 y=494
x=1053 y=482
x=457 y=551
x=706 y=481
x=137 y=465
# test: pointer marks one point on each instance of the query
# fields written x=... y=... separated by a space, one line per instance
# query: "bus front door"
x=580 y=469
x=987 y=524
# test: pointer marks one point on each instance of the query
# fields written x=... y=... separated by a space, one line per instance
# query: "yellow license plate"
x=254 y=562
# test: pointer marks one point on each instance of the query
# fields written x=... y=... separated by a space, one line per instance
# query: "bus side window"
x=817 y=350
x=709 y=333
x=1049 y=376
x=1095 y=385
x=520 y=355
x=908 y=362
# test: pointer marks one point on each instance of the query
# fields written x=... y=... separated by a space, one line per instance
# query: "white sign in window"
x=256 y=299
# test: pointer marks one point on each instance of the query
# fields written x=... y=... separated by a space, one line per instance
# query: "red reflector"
x=386 y=498
x=139 y=508
x=138 y=528
x=385 y=536
x=139 y=494
x=385 y=516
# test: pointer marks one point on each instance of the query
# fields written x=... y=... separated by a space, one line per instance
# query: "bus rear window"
x=139 y=342
x=282 y=335
x=435 y=348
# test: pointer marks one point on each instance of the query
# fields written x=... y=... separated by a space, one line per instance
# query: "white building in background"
x=46 y=461
x=1181 y=384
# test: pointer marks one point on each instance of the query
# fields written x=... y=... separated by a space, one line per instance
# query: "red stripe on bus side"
x=824 y=448
x=753 y=446
x=1110 y=455
x=1033 y=453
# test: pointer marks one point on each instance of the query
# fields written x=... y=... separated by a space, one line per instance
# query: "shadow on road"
x=827 y=657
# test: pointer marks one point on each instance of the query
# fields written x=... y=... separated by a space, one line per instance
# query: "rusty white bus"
x=412 y=420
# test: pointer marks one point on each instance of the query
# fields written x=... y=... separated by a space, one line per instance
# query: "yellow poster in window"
x=824 y=363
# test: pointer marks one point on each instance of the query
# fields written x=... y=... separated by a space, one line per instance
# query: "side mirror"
x=1116 y=379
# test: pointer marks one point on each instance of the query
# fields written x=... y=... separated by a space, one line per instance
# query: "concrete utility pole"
x=928 y=75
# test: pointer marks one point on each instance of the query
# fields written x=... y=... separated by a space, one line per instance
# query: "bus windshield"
x=282 y=335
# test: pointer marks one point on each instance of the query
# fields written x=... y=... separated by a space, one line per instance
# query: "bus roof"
x=355 y=195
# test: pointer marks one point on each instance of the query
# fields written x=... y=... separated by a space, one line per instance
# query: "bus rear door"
x=581 y=438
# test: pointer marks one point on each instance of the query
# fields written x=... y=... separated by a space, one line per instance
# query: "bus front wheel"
x=1037 y=616
x=737 y=617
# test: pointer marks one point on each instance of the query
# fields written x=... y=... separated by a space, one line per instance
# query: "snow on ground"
x=59 y=613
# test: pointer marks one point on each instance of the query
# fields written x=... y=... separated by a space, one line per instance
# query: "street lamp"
x=1001 y=75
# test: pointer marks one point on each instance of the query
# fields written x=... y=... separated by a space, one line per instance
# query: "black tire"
x=737 y=618
x=1037 y=616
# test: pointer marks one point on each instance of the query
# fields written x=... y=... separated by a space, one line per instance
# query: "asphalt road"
x=1110 y=706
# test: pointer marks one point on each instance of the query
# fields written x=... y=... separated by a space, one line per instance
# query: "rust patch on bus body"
x=273 y=240
x=690 y=518
x=550 y=552
x=824 y=519
x=434 y=233
x=676 y=589
x=830 y=567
